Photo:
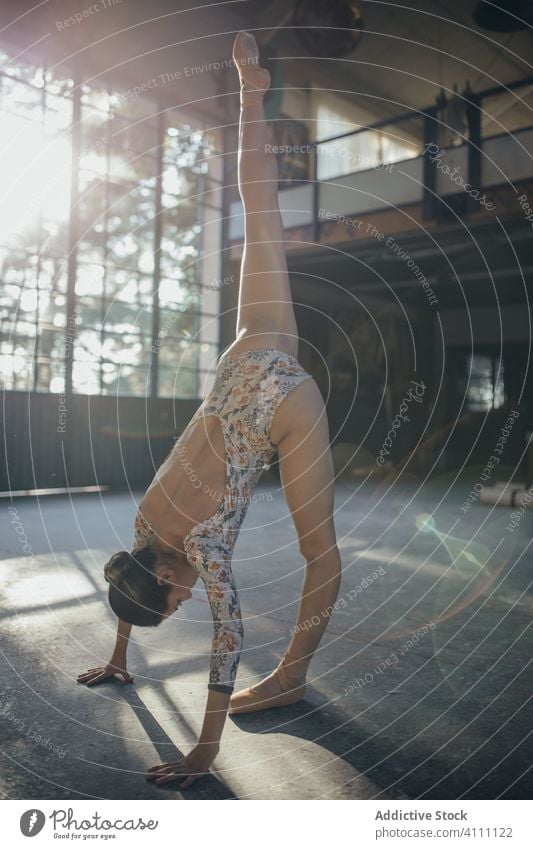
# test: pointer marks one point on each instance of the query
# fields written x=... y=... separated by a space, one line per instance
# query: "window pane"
x=52 y=310
x=179 y=353
x=86 y=378
x=58 y=85
x=58 y=114
x=13 y=332
x=369 y=149
x=15 y=372
x=54 y=238
x=126 y=380
x=53 y=274
x=124 y=317
x=90 y=279
x=95 y=98
x=50 y=376
x=91 y=206
x=9 y=298
x=19 y=97
x=19 y=69
x=183 y=145
x=27 y=302
x=21 y=345
x=93 y=122
x=129 y=139
x=499 y=387
x=483 y=392
x=180 y=215
x=177 y=383
x=177 y=322
x=35 y=184
x=128 y=105
x=123 y=285
x=13 y=267
x=87 y=345
x=180 y=293
x=91 y=310
x=179 y=251
x=52 y=343
x=120 y=283
x=130 y=224
x=94 y=153
x=126 y=348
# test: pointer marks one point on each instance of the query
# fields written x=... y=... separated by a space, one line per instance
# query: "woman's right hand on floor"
x=103 y=673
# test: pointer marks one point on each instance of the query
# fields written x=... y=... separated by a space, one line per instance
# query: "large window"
x=363 y=150
x=110 y=206
x=485 y=382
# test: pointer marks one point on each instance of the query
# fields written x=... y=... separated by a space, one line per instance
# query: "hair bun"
x=118 y=567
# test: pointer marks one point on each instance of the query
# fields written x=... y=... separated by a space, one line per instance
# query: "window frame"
x=75 y=93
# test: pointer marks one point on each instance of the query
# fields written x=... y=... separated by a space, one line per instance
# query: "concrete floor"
x=444 y=718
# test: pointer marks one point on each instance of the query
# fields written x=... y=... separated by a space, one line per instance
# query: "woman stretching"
x=262 y=400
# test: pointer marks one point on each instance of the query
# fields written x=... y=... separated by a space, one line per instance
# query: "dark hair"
x=134 y=594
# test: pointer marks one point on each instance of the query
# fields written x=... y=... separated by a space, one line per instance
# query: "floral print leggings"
x=248 y=387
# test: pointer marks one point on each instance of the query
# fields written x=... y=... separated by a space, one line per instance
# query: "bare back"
x=255 y=385
x=189 y=484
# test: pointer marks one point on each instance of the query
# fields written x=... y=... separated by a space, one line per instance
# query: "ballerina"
x=262 y=401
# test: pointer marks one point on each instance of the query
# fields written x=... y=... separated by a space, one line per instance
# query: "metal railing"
x=430 y=122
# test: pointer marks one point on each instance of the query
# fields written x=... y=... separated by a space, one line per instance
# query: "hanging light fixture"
x=455 y=116
x=328 y=27
x=503 y=15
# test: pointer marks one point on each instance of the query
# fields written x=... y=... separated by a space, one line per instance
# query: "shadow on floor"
x=205 y=788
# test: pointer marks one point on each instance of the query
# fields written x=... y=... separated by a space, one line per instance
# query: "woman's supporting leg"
x=308 y=482
x=300 y=430
x=265 y=315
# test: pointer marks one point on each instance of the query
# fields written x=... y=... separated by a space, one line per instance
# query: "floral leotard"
x=248 y=387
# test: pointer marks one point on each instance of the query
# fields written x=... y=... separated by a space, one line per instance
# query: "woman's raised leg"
x=265 y=316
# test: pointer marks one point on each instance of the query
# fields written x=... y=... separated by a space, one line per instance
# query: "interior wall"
x=486 y=325
x=97 y=441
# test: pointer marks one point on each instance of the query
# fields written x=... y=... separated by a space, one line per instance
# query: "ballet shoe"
x=254 y=80
x=249 y=700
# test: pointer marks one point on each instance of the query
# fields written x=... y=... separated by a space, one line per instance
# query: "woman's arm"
x=121 y=643
x=200 y=758
x=227 y=642
x=216 y=711
x=213 y=564
x=117 y=664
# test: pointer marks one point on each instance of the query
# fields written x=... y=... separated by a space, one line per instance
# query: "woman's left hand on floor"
x=192 y=767
x=104 y=673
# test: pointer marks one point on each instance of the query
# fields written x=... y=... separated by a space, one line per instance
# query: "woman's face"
x=179 y=578
x=176 y=597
